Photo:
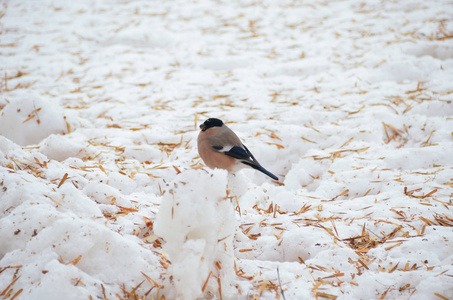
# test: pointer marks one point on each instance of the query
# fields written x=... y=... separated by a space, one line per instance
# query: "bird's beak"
x=203 y=127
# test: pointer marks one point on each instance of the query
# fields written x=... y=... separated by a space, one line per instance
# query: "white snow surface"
x=102 y=191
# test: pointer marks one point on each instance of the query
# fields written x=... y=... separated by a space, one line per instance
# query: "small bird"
x=219 y=147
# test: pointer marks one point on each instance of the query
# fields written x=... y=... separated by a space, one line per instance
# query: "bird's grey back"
x=226 y=138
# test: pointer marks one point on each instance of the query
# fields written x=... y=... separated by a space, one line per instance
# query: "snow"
x=46 y=115
x=102 y=191
x=198 y=231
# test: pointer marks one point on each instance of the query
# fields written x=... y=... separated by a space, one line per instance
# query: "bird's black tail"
x=252 y=162
x=261 y=169
x=257 y=166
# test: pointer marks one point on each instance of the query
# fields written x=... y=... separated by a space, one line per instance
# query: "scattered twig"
x=280 y=283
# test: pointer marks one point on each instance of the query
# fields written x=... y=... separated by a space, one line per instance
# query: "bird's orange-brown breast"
x=211 y=158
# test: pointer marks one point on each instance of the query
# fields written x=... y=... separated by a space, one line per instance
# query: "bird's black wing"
x=235 y=152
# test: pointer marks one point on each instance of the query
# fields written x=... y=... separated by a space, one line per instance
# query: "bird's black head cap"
x=211 y=122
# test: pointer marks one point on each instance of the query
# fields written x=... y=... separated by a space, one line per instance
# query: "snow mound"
x=29 y=119
x=61 y=147
x=197 y=222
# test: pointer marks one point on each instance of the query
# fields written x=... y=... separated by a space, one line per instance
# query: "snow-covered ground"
x=102 y=191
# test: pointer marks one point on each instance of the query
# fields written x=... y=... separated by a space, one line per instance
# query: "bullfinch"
x=219 y=147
